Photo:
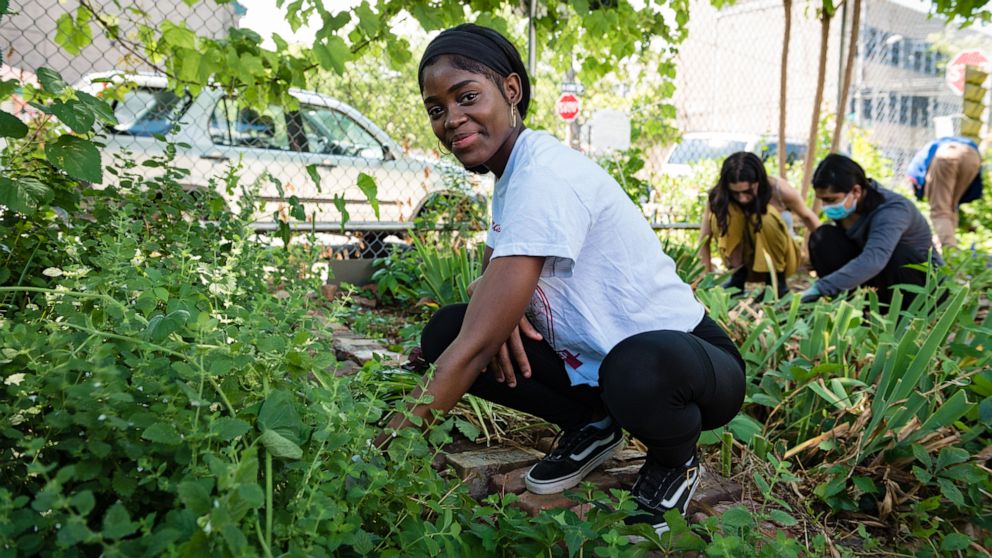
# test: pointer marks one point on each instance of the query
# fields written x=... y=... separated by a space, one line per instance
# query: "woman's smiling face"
x=469 y=114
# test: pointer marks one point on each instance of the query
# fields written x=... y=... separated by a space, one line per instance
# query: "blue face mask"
x=838 y=211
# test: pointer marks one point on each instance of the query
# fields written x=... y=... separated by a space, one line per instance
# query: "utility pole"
x=532 y=39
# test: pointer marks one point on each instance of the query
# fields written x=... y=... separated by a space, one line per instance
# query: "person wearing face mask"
x=751 y=214
x=876 y=233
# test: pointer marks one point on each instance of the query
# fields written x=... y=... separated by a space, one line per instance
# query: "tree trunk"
x=852 y=45
x=782 y=99
x=821 y=74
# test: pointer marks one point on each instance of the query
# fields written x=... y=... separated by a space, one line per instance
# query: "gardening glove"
x=810 y=294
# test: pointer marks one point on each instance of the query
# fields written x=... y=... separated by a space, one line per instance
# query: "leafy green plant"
x=448 y=273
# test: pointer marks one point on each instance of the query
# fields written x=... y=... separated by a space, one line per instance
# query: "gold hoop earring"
x=513 y=116
x=441 y=148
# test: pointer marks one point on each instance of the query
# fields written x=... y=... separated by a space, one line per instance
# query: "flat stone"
x=714 y=489
x=629 y=454
x=534 y=503
x=512 y=482
x=329 y=291
x=362 y=350
x=496 y=460
x=477 y=467
x=346 y=368
x=624 y=474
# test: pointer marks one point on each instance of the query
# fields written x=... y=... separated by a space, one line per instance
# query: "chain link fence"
x=728 y=79
x=309 y=161
x=317 y=166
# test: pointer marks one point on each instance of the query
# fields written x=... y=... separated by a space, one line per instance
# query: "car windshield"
x=147 y=112
x=693 y=150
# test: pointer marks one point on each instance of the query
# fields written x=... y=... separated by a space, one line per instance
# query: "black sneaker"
x=659 y=489
x=576 y=454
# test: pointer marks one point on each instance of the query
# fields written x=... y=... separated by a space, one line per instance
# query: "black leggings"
x=830 y=249
x=664 y=387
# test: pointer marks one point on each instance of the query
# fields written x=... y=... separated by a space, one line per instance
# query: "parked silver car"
x=333 y=137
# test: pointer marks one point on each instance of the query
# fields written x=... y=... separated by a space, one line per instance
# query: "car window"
x=335 y=133
x=697 y=149
x=147 y=111
x=239 y=126
x=794 y=152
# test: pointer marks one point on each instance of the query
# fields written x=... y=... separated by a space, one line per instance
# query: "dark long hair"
x=838 y=173
x=740 y=167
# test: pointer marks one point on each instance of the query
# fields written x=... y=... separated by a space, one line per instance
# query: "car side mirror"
x=387 y=154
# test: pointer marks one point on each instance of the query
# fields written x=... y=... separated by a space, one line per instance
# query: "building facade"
x=729 y=70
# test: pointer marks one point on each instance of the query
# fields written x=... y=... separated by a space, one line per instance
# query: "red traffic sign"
x=567 y=107
x=955 y=67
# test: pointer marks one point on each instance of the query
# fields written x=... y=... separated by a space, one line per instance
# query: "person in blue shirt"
x=946 y=171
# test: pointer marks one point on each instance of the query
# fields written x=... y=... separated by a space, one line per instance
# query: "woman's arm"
x=794 y=202
x=705 y=236
x=496 y=307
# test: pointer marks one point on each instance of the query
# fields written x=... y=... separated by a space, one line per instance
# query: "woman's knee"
x=441 y=330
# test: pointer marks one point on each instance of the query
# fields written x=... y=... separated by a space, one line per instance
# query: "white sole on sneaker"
x=564 y=483
x=662 y=528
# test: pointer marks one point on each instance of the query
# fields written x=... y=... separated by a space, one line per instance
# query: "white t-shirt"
x=605 y=276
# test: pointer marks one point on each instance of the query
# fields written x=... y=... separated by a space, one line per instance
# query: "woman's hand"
x=502 y=365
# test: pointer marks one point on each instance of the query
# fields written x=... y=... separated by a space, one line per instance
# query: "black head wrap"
x=483 y=45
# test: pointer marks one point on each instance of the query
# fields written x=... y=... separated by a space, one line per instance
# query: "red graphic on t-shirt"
x=570 y=359
x=540 y=316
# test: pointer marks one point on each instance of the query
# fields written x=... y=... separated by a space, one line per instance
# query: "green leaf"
x=159 y=327
x=279 y=415
x=11 y=126
x=7 y=88
x=738 y=517
x=296 y=209
x=951 y=492
x=72 y=533
x=279 y=446
x=339 y=204
x=100 y=108
x=468 y=429
x=229 y=428
x=952 y=409
x=332 y=54
x=744 y=428
x=3 y=6
x=23 y=194
x=79 y=158
x=951 y=456
x=83 y=502
x=921 y=455
x=985 y=410
x=314 y=175
x=195 y=495
x=162 y=433
x=117 y=523
x=74 y=114
x=74 y=35
x=51 y=80
x=252 y=494
x=954 y=542
x=782 y=518
x=368 y=187
x=178 y=36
